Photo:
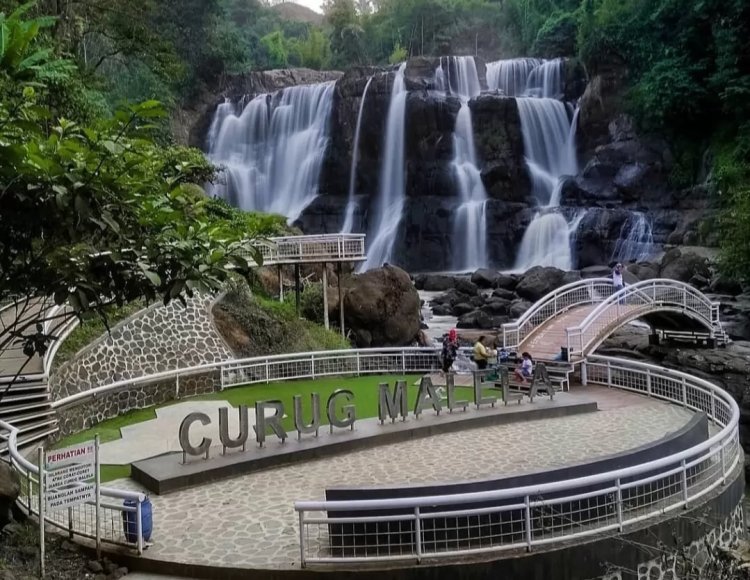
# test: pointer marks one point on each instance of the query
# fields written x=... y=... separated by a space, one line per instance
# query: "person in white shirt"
x=617 y=279
x=525 y=370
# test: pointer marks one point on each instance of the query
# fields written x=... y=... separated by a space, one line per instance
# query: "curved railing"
x=530 y=516
x=637 y=300
x=79 y=519
x=553 y=304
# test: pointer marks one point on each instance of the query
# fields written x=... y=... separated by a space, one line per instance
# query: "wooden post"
x=297 y=290
x=281 y=285
x=341 y=299
x=326 y=322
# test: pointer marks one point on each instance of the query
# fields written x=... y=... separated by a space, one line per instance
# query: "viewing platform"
x=316 y=249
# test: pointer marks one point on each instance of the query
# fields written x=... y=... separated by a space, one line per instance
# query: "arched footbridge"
x=581 y=315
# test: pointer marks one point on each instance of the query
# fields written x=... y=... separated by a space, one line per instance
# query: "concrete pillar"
x=584 y=374
x=326 y=322
x=297 y=290
x=341 y=299
x=281 y=285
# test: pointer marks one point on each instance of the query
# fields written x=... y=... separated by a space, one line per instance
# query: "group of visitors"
x=482 y=354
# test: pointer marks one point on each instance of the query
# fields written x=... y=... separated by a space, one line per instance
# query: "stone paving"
x=250 y=521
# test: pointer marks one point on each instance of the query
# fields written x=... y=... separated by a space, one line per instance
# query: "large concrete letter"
x=241 y=440
x=349 y=411
x=299 y=421
x=392 y=406
x=450 y=385
x=478 y=400
x=274 y=422
x=427 y=394
x=205 y=443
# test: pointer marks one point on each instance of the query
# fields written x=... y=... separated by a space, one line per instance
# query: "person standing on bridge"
x=617 y=278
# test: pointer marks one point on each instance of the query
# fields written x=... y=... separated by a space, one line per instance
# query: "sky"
x=314 y=4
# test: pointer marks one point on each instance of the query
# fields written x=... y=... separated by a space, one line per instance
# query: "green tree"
x=314 y=51
x=276 y=49
x=96 y=215
x=398 y=55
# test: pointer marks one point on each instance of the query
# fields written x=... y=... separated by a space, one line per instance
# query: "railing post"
x=418 y=534
x=648 y=382
x=619 y=502
x=139 y=526
x=713 y=407
x=609 y=374
x=527 y=501
x=584 y=372
x=268 y=371
x=684 y=393
x=403 y=362
x=723 y=464
x=28 y=490
x=684 y=484
x=312 y=365
x=359 y=370
x=302 y=550
x=177 y=386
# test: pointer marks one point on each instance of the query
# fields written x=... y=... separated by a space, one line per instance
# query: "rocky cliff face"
x=622 y=171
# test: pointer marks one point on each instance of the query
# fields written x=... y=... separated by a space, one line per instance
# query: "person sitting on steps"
x=525 y=370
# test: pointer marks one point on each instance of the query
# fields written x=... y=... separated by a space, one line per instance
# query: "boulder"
x=485 y=278
x=506 y=282
x=725 y=285
x=595 y=272
x=683 y=265
x=504 y=294
x=381 y=308
x=10 y=487
x=540 y=281
x=518 y=307
x=497 y=306
x=467 y=287
x=437 y=282
x=644 y=271
x=462 y=308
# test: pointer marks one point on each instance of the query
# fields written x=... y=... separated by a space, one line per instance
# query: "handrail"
x=313 y=248
x=659 y=291
x=560 y=299
x=712 y=459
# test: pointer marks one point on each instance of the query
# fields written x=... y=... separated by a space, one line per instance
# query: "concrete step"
x=11 y=398
x=8 y=412
x=37 y=415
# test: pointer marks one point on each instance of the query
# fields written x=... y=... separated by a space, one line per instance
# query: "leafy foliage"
x=99 y=214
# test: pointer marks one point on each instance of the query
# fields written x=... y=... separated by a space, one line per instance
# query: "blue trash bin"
x=129 y=520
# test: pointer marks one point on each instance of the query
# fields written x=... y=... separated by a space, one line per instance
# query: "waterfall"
x=273 y=150
x=549 y=148
x=390 y=201
x=351 y=205
x=636 y=241
x=511 y=76
x=458 y=75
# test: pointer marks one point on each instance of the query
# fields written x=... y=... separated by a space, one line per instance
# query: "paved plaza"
x=250 y=521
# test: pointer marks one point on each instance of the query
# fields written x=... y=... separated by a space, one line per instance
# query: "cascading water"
x=636 y=241
x=273 y=150
x=351 y=205
x=511 y=76
x=549 y=147
x=390 y=201
x=458 y=75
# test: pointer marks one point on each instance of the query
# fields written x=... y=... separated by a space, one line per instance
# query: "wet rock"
x=539 y=281
x=437 y=282
x=504 y=294
x=466 y=287
x=683 y=265
x=461 y=309
x=95 y=567
x=724 y=285
x=485 y=278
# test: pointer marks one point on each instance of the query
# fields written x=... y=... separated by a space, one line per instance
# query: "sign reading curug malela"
x=391 y=404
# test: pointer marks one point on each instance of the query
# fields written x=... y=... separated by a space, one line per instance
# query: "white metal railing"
x=553 y=304
x=458 y=525
x=310 y=249
x=80 y=519
x=636 y=300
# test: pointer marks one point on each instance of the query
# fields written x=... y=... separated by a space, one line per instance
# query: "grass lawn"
x=365 y=391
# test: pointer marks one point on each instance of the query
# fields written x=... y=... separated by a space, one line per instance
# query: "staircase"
x=26 y=405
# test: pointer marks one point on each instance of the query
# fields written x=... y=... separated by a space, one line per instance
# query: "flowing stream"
x=257 y=143
x=549 y=147
x=390 y=201
x=458 y=75
x=351 y=205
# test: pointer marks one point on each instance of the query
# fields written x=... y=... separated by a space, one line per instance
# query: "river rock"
x=381 y=308
x=465 y=286
x=683 y=265
x=518 y=308
x=539 y=281
x=504 y=294
x=10 y=487
x=462 y=308
x=485 y=278
x=437 y=282
x=725 y=285
x=506 y=281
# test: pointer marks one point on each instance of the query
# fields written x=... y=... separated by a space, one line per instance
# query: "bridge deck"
x=547 y=339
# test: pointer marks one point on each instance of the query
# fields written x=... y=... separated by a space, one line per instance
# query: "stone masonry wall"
x=158 y=339
x=79 y=417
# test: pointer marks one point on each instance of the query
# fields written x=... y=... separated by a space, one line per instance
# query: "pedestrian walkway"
x=12 y=359
x=250 y=521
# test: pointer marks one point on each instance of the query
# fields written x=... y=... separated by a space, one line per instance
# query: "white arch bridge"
x=581 y=315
